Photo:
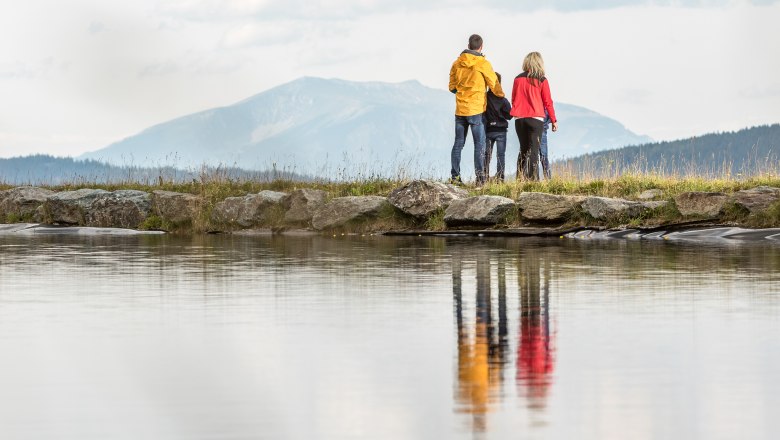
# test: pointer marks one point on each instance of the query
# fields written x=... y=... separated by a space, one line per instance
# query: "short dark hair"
x=475 y=42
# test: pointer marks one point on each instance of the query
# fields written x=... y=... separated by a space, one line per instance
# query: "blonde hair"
x=534 y=65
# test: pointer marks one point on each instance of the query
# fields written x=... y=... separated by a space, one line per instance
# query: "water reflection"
x=483 y=349
x=535 y=350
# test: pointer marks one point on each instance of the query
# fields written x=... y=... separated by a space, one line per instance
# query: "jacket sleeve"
x=547 y=101
x=453 y=84
x=491 y=80
x=506 y=107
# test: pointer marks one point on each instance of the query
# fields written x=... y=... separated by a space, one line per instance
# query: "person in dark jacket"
x=496 y=126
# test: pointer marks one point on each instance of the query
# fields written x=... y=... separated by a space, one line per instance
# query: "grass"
x=213 y=188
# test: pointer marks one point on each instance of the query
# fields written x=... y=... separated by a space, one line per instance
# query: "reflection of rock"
x=603 y=208
x=547 y=207
x=302 y=204
x=173 y=207
x=757 y=199
x=651 y=194
x=119 y=209
x=22 y=203
x=701 y=204
x=422 y=198
x=479 y=210
x=344 y=210
x=70 y=207
x=247 y=211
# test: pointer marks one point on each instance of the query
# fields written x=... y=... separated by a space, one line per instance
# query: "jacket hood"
x=469 y=58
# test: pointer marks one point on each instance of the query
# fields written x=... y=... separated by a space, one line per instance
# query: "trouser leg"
x=461 y=129
x=500 y=140
x=478 y=133
x=489 y=142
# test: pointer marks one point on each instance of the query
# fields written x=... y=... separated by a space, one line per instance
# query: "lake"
x=315 y=337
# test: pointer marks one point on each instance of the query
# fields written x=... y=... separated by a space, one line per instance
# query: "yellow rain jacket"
x=470 y=76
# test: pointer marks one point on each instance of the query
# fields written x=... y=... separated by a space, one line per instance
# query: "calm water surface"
x=312 y=337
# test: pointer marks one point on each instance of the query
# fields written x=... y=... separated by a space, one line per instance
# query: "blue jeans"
x=462 y=124
x=499 y=139
x=543 y=149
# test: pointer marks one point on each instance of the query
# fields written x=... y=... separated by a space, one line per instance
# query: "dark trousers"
x=529 y=133
x=497 y=138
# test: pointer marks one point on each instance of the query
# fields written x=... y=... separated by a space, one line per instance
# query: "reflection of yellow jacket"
x=470 y=76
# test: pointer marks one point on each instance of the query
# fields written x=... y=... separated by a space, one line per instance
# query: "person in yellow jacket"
x=470 y=76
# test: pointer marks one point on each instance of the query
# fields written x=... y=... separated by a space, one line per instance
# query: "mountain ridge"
x=314 y=124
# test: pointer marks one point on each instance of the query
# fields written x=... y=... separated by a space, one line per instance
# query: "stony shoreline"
x=418 y=206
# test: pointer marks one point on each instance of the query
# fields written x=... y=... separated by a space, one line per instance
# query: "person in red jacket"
x=530 y=98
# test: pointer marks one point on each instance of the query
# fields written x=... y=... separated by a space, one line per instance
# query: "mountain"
x=42 y=169
x=330 y=127
x=747 y=152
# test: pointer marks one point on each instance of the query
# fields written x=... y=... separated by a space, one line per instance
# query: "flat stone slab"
x=710 y=235
x=175 y=207
x=301 y=205
x=604 y=208
x=38 y=229
x=542 y=207
x=757 y=199
x=701 y=204
x=343 y=210
x=22 y=202
x=422 y=198
x=479 y=210
x=247 y=211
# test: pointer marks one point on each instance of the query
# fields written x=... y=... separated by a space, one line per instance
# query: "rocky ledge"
x=419 y=205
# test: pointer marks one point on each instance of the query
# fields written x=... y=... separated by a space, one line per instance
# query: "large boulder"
x=479 y=210
x=341 y=211
x=301 y=205
x=701 y=204
x=70 y=207
x=21 y=204
x=604 y=208
x=422 y=198
x=119 y=209
x=247 y=211
x=175 y=208
x=543 y=207
x=757 y=199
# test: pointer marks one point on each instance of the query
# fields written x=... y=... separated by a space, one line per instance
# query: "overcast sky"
x=77 y=75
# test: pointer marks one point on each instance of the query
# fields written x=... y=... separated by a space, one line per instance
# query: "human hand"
x=554 y=126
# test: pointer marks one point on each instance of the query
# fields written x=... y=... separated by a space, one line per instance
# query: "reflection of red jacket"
x=535 y=357
x=530 y=98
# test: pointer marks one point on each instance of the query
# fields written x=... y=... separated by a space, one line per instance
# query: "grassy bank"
x=627 y=186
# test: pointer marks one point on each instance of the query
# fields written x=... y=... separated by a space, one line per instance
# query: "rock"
x=421 y=198
x=701 y=204
x=18 y=204
x=247 y=211
x=479 y=210
x=301 y=205
x=175 y=208
x=70 y=207
x=604 y=208
x=651 y=194
x=343 y=210
x=119 y=209
x=757 y=199
x=547 y=207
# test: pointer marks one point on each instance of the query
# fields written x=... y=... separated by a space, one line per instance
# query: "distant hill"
x=49 y=170
x=747 y=152
x=330 y=127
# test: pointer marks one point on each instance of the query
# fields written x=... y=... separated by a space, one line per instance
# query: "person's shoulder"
x=522 y=75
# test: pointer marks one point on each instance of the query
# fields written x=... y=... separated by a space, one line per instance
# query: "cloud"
x=96 y=27
x=321 y=10
x=28 y=70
